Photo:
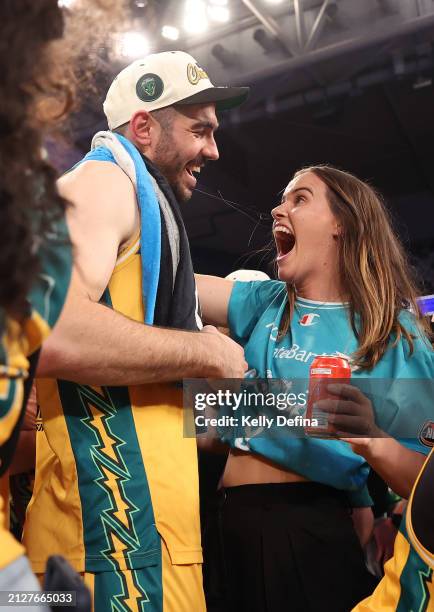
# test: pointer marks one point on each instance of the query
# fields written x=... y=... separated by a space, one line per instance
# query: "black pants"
x=278 y=547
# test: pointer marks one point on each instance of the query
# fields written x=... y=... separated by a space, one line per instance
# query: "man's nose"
x=210 y=151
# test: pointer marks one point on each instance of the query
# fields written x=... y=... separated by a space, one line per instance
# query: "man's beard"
x=169 y=162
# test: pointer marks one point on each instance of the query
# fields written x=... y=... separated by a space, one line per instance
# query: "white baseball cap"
x=163 y=79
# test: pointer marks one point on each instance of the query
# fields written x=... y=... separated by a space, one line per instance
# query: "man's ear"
x=142 y=128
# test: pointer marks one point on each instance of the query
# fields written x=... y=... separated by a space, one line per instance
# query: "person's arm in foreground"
x=92 y=343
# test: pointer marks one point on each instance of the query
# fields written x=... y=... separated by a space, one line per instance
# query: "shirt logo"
x=426 y=434
x=308 y=319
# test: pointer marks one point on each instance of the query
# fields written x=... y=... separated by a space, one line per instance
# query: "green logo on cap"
x=149 y=87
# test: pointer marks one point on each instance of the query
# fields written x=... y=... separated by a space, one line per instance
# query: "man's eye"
x=299 y=199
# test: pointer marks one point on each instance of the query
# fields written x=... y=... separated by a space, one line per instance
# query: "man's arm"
x=93 y=344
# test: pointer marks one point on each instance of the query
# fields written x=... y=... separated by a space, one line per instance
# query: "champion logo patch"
x=309 y=319
x=426 y=434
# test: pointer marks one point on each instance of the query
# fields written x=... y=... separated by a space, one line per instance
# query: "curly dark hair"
x=32 y=95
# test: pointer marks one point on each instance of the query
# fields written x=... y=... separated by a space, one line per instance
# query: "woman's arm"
x=397 y=465
x=353 y=418
x=214 y=294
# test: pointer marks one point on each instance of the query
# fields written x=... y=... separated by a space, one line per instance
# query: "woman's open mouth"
x=285 y=241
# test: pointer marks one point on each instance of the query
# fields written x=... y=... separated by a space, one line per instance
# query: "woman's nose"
x=279 y=212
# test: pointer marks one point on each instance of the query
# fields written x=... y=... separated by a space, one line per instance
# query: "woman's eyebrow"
x=293 y=191
x=301 y=189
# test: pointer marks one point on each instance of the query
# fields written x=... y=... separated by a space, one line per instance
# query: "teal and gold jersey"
x=408 y=583
x=114 y=474
x=19 y=340
x=400 y=385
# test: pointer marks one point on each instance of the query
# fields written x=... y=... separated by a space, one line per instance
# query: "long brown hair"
x=38 y=81
x=29 y=202
x=372 y=264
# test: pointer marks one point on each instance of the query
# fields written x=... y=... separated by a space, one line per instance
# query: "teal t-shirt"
x=400 y=386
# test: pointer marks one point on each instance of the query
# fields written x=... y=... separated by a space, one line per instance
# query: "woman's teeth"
x=281 y=228
x=285 y=240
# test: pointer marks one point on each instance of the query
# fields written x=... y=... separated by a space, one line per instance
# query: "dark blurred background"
x=346 y=82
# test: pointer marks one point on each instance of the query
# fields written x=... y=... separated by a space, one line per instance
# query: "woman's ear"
x=337 y=231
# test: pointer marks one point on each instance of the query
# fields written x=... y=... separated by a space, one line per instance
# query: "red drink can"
x=324 y=370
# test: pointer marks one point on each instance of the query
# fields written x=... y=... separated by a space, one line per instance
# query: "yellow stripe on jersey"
x=18 y=341
x=387 y=594
x=53 y=520
x=10 y=548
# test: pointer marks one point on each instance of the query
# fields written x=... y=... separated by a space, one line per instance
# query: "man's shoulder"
x=94 y=175
x=102 y=198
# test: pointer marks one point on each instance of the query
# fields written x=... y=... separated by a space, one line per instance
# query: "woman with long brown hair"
x=286 y=537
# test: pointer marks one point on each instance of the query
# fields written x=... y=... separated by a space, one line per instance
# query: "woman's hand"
x=352 y=416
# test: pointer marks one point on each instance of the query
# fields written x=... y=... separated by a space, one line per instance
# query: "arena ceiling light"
x=170 y=32
x=195 y=17
x=66 y=3
x=132 y=45
x=219 y=13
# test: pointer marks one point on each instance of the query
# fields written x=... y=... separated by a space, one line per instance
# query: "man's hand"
x=229 y=356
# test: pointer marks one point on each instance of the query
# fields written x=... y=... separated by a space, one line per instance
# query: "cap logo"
x=149 y=87
x=195 y=73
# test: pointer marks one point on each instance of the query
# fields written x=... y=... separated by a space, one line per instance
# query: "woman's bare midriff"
x=245 y=468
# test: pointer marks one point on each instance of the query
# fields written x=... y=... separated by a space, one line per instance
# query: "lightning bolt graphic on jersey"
x=118 y=518
x=426 y=579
